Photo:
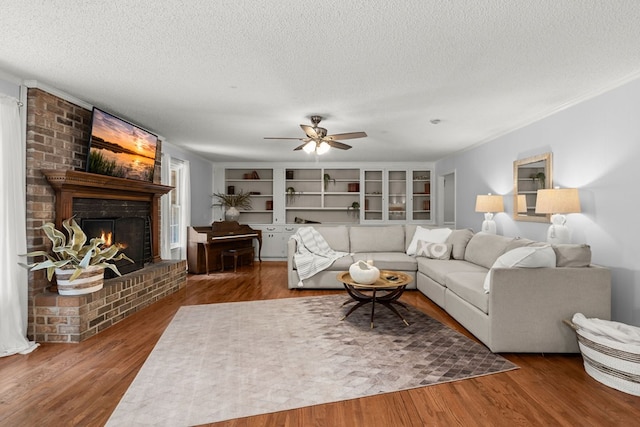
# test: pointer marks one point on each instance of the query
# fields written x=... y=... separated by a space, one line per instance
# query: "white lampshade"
x=322 y=148
x=309 y=147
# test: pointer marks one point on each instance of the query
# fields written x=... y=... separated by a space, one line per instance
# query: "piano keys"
x=205 y=244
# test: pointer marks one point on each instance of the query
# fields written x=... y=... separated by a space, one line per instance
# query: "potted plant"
x=291 y=194
x=354 y=209
x=540 y=177
x=233 y=202
x=79 y=267
x=326 y=179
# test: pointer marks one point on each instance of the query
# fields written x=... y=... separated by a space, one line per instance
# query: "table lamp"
x=489 y=203
x=557 y=202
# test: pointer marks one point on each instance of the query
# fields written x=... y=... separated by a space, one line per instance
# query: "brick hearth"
x=76 y=318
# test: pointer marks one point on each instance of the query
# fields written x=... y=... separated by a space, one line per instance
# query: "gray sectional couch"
x=525 y=307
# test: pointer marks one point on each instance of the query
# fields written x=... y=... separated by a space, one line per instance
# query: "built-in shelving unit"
x=286 y=196
x=259 y=182
x=421 y=195
x=322 y=195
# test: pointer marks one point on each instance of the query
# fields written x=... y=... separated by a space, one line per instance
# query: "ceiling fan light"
x=323 y=148
x=309 y=147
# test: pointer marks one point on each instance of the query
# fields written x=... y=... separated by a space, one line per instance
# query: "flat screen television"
x=121 y=149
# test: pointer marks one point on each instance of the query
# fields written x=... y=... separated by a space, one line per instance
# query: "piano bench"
x=235 y=253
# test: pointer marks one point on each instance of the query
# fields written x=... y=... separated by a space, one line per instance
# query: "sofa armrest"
x=527 y=306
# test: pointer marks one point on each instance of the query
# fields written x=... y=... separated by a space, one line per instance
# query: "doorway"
x=447 y=200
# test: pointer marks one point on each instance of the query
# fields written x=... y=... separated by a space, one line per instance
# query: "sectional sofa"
x=524 y=309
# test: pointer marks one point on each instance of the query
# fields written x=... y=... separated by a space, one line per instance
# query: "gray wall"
x=596 y=148
x=201 y=178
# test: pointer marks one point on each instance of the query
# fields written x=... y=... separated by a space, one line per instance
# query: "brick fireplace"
x=57 y=145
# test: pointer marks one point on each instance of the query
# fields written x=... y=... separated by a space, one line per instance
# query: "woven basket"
x=612 y=363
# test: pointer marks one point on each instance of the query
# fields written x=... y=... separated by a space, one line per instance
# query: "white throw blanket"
x=609 y=330
x=313 y=253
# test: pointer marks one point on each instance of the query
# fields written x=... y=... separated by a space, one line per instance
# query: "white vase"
x=232 y=214
x=363 y=273
x=91 y=280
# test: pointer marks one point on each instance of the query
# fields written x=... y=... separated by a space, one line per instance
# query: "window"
x=176 y=209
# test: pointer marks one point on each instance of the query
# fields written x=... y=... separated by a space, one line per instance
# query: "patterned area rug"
x=222 y=361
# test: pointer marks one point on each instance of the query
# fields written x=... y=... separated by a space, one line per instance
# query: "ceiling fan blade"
x=350 y=135
x=277 y=137
x=299 y=147
x=336 y=144
x=311 y=132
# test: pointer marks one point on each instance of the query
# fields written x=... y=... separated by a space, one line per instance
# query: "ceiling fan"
x=317 y=139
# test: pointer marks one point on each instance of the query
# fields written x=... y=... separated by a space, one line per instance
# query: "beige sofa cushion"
x=389 y=238
x=438 y=269
x=484 y=248
x=468 y=286
x=337 y=236
x=459 y=239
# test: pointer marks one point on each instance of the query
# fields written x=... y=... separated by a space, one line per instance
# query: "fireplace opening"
x=131 y=233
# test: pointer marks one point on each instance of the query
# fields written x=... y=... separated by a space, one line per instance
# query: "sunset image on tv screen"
x=120 y=149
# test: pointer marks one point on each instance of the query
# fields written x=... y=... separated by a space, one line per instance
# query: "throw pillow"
x=436 y=235
x=568 y=255
x=459 y=239
x=434 y=250
x=527 y=257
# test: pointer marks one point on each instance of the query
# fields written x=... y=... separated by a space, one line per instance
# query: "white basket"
x=612 y=363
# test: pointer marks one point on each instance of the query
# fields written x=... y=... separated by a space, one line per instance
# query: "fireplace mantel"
x=69 y=184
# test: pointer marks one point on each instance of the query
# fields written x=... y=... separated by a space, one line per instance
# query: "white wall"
x=596 y=148
x=201 y=178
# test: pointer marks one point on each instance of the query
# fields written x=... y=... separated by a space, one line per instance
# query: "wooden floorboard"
x=81 y=384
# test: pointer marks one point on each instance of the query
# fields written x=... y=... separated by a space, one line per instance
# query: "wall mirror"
x=530 y=175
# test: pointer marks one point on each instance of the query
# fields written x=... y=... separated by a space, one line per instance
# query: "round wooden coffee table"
x=391 y=285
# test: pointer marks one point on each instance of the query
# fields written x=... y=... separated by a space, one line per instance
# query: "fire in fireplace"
x=131 y=233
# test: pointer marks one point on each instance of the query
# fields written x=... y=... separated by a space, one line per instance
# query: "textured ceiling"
x=217 y=76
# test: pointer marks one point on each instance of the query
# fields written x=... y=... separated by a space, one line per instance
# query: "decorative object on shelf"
x=231 y=189
x=326 y=179
x=353 y=187
x=232 y=202
x=289 y=174
x=269 y=205
x=427 y=188
x=489 y=204
x=363 y=273
x=558 y=201
x=305 y=221
x=291 y=194
x=539 y=178
x=354 y=209
x=254 y=175
x=79 y=268
x=426 y=205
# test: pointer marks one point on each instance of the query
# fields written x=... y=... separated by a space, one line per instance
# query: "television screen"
x=119 y=148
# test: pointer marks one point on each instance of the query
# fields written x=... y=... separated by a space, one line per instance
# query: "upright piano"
x=208 y=243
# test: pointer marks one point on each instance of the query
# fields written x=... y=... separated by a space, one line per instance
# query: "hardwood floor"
x=81 y=384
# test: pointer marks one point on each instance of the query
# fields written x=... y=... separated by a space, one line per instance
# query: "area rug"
x=221 y=361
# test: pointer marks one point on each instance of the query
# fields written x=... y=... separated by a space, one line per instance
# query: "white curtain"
x=185 y=220
x=13 y=278
x=165 y=207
